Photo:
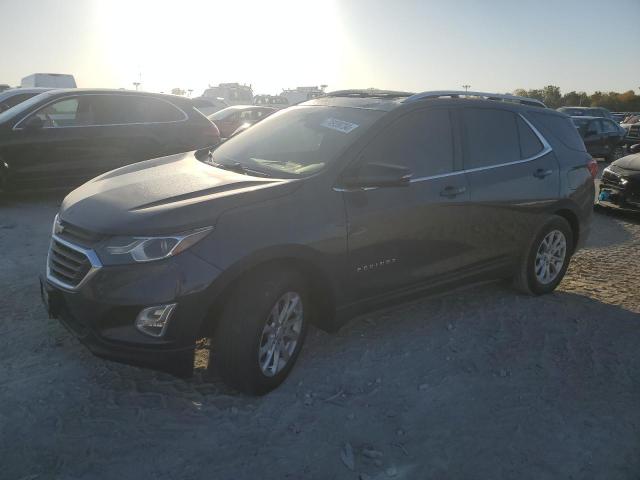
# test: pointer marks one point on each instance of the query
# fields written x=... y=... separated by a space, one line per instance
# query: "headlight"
x=120 y=250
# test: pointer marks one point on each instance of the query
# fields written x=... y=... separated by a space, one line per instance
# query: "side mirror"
x=33 y=123
x=635 y=148
x=371 y=175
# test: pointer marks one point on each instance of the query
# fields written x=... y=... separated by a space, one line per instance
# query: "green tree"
x=551 y=96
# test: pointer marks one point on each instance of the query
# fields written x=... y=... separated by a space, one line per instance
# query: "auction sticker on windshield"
x=339 y=125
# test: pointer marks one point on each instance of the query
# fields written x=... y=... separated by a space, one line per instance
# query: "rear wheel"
x=547 y=258
x=262 y=329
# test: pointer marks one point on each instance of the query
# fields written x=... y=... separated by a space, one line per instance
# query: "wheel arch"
x=572 y=218
x=321 y=289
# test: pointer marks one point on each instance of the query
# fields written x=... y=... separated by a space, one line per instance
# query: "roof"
x=60 y=91
x=248 y=107
x=10 y=92
x=387 y=100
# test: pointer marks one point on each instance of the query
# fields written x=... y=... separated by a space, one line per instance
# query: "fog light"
x=154 y=320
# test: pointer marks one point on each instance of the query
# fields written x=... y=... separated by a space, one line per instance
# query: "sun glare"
x=189 y=44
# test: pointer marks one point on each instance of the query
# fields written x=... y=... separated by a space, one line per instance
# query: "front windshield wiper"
x=236 y=167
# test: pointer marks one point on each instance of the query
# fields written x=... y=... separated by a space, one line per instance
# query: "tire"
x=526 y=279
x=241 y=331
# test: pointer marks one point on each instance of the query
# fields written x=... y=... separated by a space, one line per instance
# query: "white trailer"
x=50 y=80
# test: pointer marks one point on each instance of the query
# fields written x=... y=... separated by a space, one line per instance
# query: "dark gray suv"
x=321 y=211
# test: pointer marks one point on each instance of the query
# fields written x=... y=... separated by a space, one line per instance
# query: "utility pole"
x=466 y=87
x=139 y=82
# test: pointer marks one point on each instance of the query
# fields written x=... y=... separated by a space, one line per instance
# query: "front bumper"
x=102 y=313
x=617 y=198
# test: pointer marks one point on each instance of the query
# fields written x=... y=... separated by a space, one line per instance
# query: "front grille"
x=634 y=131
x=67 y=265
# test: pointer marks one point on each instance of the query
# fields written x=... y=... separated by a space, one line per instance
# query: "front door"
x=400 y=236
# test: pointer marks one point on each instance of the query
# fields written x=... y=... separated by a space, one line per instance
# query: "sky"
x=492 y=45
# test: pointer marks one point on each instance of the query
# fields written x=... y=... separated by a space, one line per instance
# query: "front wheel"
x=546 y=261
x=262 y=329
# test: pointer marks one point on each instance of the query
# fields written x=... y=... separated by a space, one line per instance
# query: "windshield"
x=22 y=107
x=296 y=142
x=222 y=114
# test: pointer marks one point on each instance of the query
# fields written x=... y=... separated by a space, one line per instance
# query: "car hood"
x=630 y=162
x=164 y=195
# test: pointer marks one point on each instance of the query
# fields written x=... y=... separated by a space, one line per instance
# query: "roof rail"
x=483 y=95
x=368 y=93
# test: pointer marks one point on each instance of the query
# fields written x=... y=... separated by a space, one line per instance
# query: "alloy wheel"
x=280 y=334
x=550 y=257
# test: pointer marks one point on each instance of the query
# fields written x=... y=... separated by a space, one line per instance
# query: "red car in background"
x=232 y=118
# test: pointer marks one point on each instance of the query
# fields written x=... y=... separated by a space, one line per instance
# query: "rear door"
x=400 y=236
x=512 y=175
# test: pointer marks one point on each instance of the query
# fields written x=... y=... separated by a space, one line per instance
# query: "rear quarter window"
x=560 y=128
x=530 y=144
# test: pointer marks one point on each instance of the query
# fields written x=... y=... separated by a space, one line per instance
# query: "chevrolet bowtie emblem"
x=58 y=229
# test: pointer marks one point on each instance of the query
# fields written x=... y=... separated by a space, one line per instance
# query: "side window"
x=247 y=116
x=609 y=127
x=421 y=141
x=69 y=112
x=155 y=110
x=491 y=137
x=594 y=127
x=530 y=144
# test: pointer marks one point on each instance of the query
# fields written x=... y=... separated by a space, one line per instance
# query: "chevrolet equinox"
x=322 y=210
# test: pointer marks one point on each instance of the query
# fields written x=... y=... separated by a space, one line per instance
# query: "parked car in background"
x=618 y=117
x=209 y=105
x=302 y=94
x=50 y=80
x=275 y=101
x=4 y=86
x=631 y=118
x=230 y=119
x=632 y=133
x=14 y=96
x=601 y=136
x=62 y=138
x=586 y=112
x=317 y=213
x=231 y=93
x=620 y=184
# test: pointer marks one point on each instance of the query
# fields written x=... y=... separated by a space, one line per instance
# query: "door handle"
x=450 y=191
x=541 y=173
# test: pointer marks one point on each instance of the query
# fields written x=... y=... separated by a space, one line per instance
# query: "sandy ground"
x=486 y=384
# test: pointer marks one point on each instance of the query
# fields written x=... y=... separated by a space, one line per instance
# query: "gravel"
x=484 y=384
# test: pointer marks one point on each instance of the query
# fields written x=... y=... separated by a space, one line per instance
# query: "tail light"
x=593 y=168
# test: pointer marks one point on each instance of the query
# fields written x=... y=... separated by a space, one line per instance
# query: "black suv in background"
x=62 y=138
x=601 y=136
x=319 y=212
x=587 y=112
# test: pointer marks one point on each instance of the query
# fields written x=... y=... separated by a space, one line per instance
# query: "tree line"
x=552 y=97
